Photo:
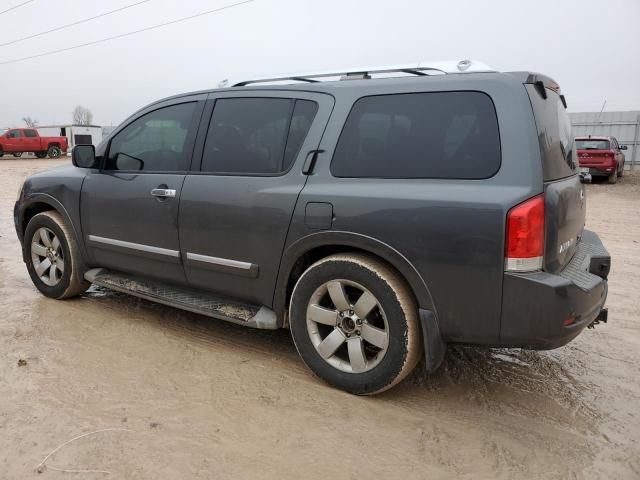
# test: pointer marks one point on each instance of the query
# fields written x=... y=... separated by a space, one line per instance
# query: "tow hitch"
x=601 y=318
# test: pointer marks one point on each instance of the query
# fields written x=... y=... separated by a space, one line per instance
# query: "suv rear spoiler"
x=541 y=82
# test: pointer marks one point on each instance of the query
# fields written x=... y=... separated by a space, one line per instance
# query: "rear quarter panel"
x=452 y=231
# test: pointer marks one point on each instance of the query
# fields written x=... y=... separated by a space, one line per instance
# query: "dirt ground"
x=165 y=394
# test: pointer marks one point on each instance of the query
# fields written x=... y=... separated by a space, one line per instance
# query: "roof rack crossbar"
x=421 y=69
x=303 y=79
x=414 y=72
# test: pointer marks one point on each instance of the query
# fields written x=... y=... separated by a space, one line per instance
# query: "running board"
x=197 y=301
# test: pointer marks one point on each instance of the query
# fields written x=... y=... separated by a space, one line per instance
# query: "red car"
x=601 y=156
x=20 y=140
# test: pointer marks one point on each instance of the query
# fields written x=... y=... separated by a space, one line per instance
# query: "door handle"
x=163 y=192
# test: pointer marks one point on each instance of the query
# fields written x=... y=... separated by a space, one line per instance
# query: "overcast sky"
x=591 y=47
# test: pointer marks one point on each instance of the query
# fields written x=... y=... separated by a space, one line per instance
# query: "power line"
x=16 y=6
x=62 y=27
x=134 y=32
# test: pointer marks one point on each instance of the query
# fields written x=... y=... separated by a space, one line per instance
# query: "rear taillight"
x=525 y=236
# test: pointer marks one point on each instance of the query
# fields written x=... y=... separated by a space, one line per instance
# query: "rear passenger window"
x=303 y=114
x=256 y=136
x=30 y=133
x=420 y=135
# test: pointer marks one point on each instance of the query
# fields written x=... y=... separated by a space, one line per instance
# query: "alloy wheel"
x=347 y=326
x=47 y=256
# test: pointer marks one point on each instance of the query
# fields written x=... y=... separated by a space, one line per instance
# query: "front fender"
x=45 y=198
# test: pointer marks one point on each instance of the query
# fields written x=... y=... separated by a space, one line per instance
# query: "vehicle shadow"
x=487 y=377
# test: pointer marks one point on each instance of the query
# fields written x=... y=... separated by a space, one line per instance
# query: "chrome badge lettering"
x=564 y=246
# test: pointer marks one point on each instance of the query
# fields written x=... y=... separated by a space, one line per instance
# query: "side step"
x=197 y=301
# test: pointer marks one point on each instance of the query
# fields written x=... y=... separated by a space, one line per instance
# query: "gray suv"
x=379 y=214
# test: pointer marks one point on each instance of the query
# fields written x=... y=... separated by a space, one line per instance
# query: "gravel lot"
x=171 y=394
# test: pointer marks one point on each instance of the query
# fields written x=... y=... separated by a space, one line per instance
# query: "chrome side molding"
x=222 y=264
x=148 y=250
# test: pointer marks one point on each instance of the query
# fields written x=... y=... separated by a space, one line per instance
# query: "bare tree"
x=30 y=122
x=82 y=116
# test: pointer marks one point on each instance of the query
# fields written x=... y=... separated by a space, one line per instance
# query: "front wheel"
x=54 y=152
x=355 y=323
x=53 y=258
x=17 y=154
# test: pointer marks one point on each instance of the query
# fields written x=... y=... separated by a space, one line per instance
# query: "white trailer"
x=76 y=134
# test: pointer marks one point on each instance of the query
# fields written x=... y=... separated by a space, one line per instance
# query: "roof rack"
x=420 y=69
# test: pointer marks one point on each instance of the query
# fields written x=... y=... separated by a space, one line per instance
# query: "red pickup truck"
x=20 y=140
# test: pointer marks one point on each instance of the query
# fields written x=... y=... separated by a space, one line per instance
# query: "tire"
x=392 y=323
x=54 y=151
x=621 y=172
x=17 y=154
x=65 y=282
x=1 y=152
x=41 y=154
x=613 y=178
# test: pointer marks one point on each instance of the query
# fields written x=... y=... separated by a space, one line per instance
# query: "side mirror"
x=84 y=156
x=623 y=147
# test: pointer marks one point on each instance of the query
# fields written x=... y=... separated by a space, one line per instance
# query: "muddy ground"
x=175 y=395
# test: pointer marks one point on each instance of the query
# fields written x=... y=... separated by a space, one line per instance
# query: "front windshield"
x=592 y=144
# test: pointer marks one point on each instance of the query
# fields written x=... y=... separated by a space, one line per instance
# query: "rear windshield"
x=420 y=135
x=592 y=144
x=557 y=147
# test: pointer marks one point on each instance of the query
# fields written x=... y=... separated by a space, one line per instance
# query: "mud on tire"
x=395 y=303
x=70 y=282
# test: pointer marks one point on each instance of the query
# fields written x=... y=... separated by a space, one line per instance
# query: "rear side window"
x=420 y=135
x=592 y=144
x=557 y=146
x=256 y=136
x=30 y=133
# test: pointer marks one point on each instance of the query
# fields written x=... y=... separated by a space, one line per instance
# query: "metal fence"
x=625 y=126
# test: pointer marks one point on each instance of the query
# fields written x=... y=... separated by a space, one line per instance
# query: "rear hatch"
x=594 y=152
x=563 y=193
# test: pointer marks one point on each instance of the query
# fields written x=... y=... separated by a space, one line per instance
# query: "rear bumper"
x=543 y=311
x=600 y=170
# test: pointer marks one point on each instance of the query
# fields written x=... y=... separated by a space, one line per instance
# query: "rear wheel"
x=1 y=152
x=355 y=323
x=41 y=154
x=53 y=259
x=613 y=178
x=17 y=154
x=621 y=171
x=54 y=151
